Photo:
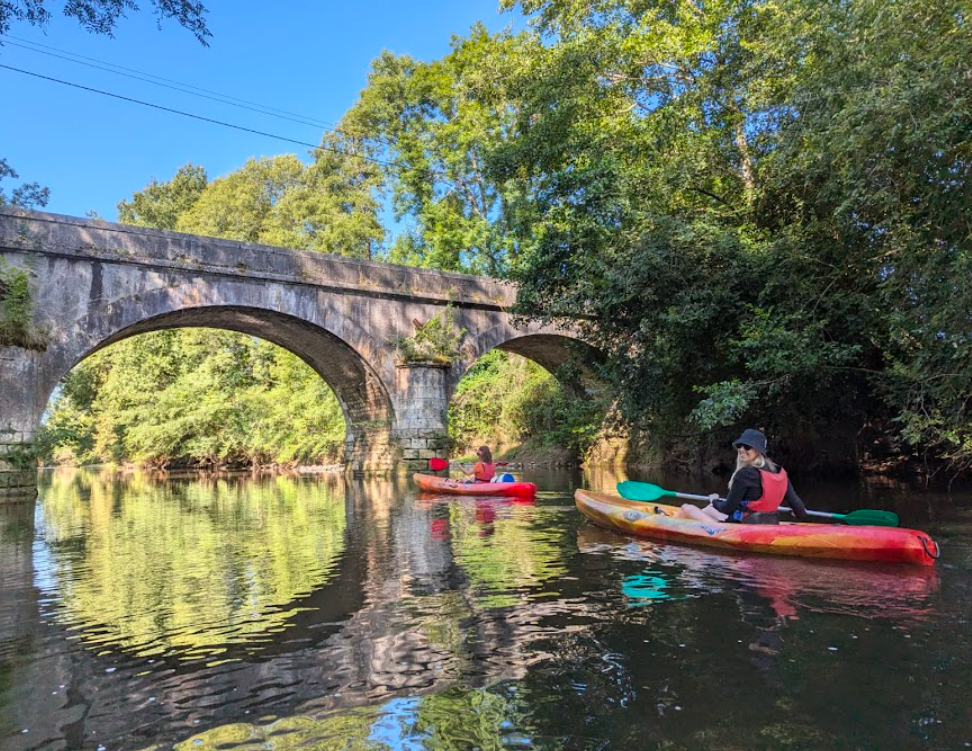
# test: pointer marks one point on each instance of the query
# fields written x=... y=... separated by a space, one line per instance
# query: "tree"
x=435 y=124
x=101 y=16
x=760 y=208
x=327 y=206
x=160 y=205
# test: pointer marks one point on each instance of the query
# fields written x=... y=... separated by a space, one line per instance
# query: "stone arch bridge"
x=94 y=283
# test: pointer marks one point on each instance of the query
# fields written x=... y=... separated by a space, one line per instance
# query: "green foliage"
x=25 y=195
x=508 y=400
x=160 y=205
x=435 y=124
x=327 y=207
x=762 y=208
x=195 y=396
x=17 y=327
x=436 y=341
x=101 y=16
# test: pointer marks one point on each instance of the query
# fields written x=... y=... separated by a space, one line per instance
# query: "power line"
x=185 y=88
x=178 y=85
x=197 y=117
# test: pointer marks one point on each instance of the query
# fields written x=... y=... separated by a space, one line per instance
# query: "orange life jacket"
x=484 y=472
x=774 y=488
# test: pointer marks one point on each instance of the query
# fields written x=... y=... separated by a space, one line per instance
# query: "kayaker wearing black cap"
x=757 y=488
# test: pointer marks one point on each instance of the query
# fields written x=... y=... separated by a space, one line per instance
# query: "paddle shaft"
x=646 y=492
x=821 y=514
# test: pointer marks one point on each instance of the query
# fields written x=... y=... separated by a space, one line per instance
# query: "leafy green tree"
x=759 y=206
x=160 y=205
x=435 y=124
x=195 y=396
x=327 y=206
x=874 y=169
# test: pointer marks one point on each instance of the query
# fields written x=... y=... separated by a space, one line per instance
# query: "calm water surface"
x=319 y=613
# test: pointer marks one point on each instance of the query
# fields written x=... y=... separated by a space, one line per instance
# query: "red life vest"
x=484 y=472
x=774 y=488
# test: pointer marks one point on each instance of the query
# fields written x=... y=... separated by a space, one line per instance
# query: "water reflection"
x=787 y=585
x=501 y=551
x=185 y=569
x=358 y=615
x=456 y=718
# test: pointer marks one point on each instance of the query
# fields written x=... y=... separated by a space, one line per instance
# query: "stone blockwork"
x=96 y=283
x=18 y=468
x=422 y=430
x=21 y=408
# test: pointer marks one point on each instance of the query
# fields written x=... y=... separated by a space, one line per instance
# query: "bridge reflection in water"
x=188 y=601
x=231 y=612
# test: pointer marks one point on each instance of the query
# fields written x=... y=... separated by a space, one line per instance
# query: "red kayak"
x=853 y=543
x=448 y=486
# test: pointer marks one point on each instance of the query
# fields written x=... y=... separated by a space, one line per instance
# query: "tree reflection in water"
x=365 y=618
x=185 y=569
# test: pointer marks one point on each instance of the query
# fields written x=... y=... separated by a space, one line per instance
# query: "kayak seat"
x=761 y=517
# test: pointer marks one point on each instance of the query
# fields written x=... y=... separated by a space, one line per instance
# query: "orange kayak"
x=448 y=486
x=855 y=543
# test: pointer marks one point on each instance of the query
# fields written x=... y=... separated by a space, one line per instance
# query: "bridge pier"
x=368 y=448
x=421 y=429
x=19 y=421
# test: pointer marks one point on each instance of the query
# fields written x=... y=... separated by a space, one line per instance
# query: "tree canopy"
x=757 y=209
x=101 y=16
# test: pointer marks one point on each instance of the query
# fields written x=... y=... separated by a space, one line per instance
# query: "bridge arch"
x=95 y=283
x=549 y=350
x=359 y=390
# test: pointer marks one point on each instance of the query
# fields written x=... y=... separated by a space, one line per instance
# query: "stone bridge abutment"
x=94 y=283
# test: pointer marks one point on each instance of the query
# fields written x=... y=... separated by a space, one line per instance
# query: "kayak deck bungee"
x=448 y=486
x=858 y=543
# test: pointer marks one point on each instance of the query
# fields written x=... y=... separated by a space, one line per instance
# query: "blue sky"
x=307 y=58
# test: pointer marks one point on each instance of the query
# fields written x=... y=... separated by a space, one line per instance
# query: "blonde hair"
x=760 y=462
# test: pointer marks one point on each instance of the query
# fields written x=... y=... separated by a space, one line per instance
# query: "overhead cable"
x=197 y=117
x=185 y=88
x=176 y=85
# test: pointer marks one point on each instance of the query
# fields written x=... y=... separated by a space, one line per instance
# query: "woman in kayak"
x=484 y=469
x=757 y=488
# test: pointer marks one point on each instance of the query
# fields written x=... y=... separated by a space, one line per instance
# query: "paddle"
x=437 y=464
x=644 y=491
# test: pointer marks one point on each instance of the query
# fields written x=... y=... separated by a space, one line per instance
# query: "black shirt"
x=748 y=486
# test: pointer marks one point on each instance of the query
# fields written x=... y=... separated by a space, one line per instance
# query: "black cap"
x=752 y=437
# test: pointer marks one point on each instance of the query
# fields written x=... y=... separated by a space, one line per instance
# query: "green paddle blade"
x=641 y=491
x=870 y=517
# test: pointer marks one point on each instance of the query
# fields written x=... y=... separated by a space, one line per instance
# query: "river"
x=281 y=612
